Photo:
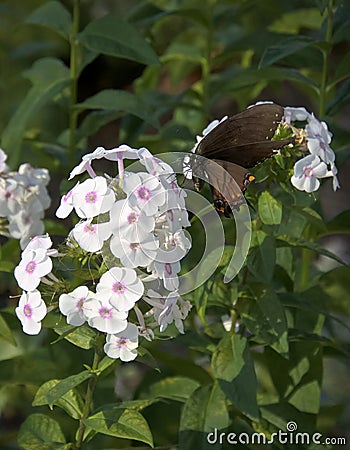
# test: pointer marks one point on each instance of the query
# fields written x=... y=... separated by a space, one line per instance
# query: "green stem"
x=206 y=65
x=326 y=54
x=89 y=393
x=73 y=114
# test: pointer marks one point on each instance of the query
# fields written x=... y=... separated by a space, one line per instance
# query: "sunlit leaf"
x=127 y=424
x=233 y=366
x=204 y=411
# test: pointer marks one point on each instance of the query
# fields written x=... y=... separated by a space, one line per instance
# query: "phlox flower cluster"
x=320 y=162
x=135 y=222
x=23 y=199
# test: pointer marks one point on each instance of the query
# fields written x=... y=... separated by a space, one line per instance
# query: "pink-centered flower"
x=145 y=192
x=31 y=310
x=103 y=316
x=134 y=254
x=34 y=265
x=128 y=223
x=72 y=305
x=123 y=345
x=92 y=197
x=91 y=236
x=121 y=287
x=306 y=173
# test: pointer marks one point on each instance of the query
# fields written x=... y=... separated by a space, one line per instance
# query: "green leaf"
x=263 y=315
x=54 y=16
x=83 y=337
x=6 y=333
x=309 y=245
x=110 y=35
x=286 y=47
x=270 y=209
x=71 y=401
x=40 y=431
x=120 y=101
x=204 y=412
x=49 y=77
x=175 y=388
x=127 y=424
x=233 y=365
x=342 y=70
x=298 y=379
x=262 y=259
x=63 y=386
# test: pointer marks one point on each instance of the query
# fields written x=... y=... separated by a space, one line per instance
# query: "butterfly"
x=235 y=145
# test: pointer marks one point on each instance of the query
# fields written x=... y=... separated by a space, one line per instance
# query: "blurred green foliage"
x=75 y=75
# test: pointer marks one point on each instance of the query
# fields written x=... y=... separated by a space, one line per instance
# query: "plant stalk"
x=89 y=395
x=73 y=114
x=326 y=56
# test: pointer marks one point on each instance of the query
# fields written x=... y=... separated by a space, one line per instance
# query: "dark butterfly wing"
x=230 y=185
x=245 y=138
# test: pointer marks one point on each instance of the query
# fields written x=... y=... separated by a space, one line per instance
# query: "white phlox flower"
x=134 y=254
x=145 y=192
x=124 y=344
x=72 y=305
x=23 y=199
x=103 y=316
x=307 y=172
x=66 y=205
x=31 y=310
x=121 y=287
x=92 y=197
x=91 y=236
x=128 y=223
x=34 y=265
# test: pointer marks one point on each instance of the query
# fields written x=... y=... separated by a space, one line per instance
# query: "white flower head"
x=66 y=205
x=103 y=316
x=134 y=254
x=10 y=195
x=85 y=164
x=72 y=305
x=128 y=223
x=121 y=287
x=121 y=152
x=123 y=345
x=306 y=173
x=318 y=140
x=34 y=265
x=292 y=114
x=31 y=310
x=167 y=271
x=171 y=308
x=92 y=197
x=41 y=241
x=91 y=236
x=145 y=192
